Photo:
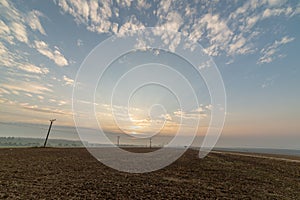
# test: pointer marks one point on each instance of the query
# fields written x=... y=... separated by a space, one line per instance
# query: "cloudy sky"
x=255 y=44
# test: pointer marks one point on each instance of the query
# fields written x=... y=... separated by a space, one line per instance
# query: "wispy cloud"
x=4 y=29
x=54 y=55
x=270 y=53
x=19 y=31
x=277 y=11
x=68 y=81
x=20 y=86
x=79 y=42
x=199 y=113
x=133 y=119
x=17 y=22
x=33 y=21
x=22 y=111
x=28 y=67
x=268 y=82
x=297 y=10
x=37 y=108
x=15 y=28
x=11 y=59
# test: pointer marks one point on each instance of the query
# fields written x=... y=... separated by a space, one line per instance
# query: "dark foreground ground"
x=50 y=173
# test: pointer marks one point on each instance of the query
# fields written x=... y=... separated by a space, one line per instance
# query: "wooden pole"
x=118 y=141
x=51 y=122
x=150 y=143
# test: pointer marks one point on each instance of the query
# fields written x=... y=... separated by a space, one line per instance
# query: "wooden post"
x=150 y=143
x=51 y=122
x=118 y=141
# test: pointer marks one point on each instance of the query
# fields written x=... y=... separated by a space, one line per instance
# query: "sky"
x=254 y=44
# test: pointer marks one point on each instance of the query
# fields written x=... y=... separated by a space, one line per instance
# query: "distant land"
x=37 y=142
x=291 y=152
x=6 y=142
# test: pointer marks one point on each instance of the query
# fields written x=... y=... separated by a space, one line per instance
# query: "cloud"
x=40 y=97
x=284 y=40
x=251 y=21
x=13 y=28
x=9 y=10
x=4 y=29
x=268 y=82
x=20 y=86
x=297 y=10
x=68 y=81
x=218 y=33
x=28 y=67
x=4 y=91
x=33 y=21
x=54 y=55
x=237 y=45
x=133 y=120
x=245 y=19
x=277 y=11
x=142 y=4
x=199 y=113
x=229 y=32
x=167 y=117
x=173 y=21
x=137 y=120
x=36 y=108
x=10 y=59
x=133 y=24
x=16 y=22
x=276 y=2
x=124 y=3
x=269 y=53
x=6 y=57
x=95 y=15
x=167 y=28
x=205 y=64
x=19 y=31
x=58 y=102
x=79 y=42
x=164 y=7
